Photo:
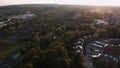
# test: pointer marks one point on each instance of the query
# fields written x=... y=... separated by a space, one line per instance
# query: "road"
x=88 y=59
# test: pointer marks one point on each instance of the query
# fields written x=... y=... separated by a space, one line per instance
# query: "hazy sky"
x=79 y=2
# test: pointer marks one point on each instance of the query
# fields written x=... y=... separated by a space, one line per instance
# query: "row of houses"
x=105 y=50
x=24 y=16
x=99 y=47
x=78 y=46
x=95 y=48
x=81 y=43
x=2 y=24
x=7 y=21
x=113 y=52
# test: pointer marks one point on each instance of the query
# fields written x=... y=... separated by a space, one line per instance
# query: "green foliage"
x=109 y=32
x=102 y=32
x=78 y=61
x=4 y=43
x=113 y=32
x=36 y=37
x=67 y=24
x=52 y=58
x=55 y=57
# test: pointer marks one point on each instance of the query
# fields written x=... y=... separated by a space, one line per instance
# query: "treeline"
x=52 y=34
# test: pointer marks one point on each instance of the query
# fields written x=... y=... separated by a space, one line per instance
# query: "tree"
x=78 y=61
x=36 y=37
x=4 y=43
x=102 y=32
x=29 y=65
x=113 y=32
x=56 y=57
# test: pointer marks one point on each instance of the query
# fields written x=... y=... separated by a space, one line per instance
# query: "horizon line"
x=63 y=4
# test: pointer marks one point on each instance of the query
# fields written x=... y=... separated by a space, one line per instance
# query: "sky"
x=75 y=2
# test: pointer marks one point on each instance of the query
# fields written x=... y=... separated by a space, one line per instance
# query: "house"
x=109 y=52
x=95 y=48
x=16 y=56
x=27 y=16
x=2 y=24
x=96 y=56
x=99 y=23
x=24 y=16
x=78 y=46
